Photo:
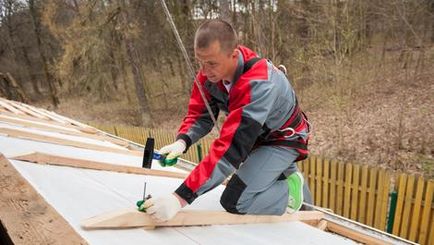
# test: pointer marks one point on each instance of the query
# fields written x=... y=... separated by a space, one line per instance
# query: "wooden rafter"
x=130 y=218
x=27 y=217
x=43 y=158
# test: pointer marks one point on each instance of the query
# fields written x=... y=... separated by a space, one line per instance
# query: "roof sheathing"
x=78 y=194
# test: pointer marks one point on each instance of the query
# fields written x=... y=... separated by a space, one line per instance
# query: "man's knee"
x=231 y=195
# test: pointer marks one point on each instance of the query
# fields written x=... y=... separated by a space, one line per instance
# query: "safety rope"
x=187 y=60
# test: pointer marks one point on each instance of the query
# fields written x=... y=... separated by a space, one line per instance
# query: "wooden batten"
x=130 y=218
x=28 y=111
x=43 y=158
x=50 y=139
x=26 y=216
x=353 y=234
x=10 y=108
x=72 y=130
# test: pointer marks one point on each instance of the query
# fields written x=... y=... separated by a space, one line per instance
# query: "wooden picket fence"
x=399 y=203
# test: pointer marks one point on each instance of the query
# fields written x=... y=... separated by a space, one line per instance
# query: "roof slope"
x=77 y=193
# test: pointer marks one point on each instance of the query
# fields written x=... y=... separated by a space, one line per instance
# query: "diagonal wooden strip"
x=38 y=125
x=130 y=218
x=30 y=112
x=83 y=126
x=49 y=139
x=26 y=216
x=40 y=112
x=43 y=158
x=10 y=108
x=60 y=129
x=353 y=234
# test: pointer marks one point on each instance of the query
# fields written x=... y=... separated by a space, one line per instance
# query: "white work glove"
x=163 y=208
x=173 y=151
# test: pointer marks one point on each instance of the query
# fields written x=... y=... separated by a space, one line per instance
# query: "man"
x=264 y=133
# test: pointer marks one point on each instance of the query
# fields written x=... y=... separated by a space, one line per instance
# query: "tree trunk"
x=225 y=12
x=133 y=59
x=49 y=78
x=33 y=79
x=9 y=12
x=11 y=89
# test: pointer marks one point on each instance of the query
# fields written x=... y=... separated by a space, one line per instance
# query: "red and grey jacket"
x=261 y=109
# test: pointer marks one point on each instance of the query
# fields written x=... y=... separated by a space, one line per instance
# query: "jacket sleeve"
x=197 y=123
x=248 y=111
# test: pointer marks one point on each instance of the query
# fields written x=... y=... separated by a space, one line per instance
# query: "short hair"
x=216 y=30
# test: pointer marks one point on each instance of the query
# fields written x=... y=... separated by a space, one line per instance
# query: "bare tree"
x=37 y=29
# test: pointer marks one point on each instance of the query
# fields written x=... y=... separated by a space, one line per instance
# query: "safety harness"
x=297 y=121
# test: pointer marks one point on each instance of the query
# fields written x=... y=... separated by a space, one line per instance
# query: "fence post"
x=392 y=209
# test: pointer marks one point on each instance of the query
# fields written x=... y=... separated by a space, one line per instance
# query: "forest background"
x=363 y=70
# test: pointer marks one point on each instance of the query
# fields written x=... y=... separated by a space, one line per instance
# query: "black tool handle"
x=148 y=153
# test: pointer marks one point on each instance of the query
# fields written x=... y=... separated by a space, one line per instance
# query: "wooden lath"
x=353 y=234
x=59 y=129
x=43 y=158
x=28 y=111
x=28 y=218
x=10 y=108
x=42 y=114
x=59 y=141
x=130 y=218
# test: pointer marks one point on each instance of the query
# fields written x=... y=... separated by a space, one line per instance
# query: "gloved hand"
x=163 y=208
x=173 y=151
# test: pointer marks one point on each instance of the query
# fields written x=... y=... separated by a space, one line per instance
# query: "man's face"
x=215 y=63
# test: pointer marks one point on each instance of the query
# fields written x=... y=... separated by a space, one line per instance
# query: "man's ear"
x=235 y=53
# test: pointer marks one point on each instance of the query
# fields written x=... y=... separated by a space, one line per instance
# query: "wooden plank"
x=319 y=182
x=371 y=196
x=42 y=158
x=11 y=108
x=355 y=192
x=325 y=190
x=363 y=194
x=355 y=235
x=312 y=176
x=35 y=124
x=333 y=173
x=430 y=234
x=322 y=225
x=417 y=208
x=407 y=207
x=379 y=199
x=426 y=213
x=340 y=189
x=57 y=117
x=385 y=200
x=28 y=117
x=347 y=192
x=59 y=129
x=130 y=218
x=27 y=111
x=42 y=113
x=306 y=173
x=59 y=141
x=26 y=216
x=399 y=203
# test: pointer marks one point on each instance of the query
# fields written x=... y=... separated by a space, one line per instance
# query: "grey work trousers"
x=259 y=186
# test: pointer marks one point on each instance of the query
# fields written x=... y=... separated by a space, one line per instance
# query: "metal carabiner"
x=287 y=129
